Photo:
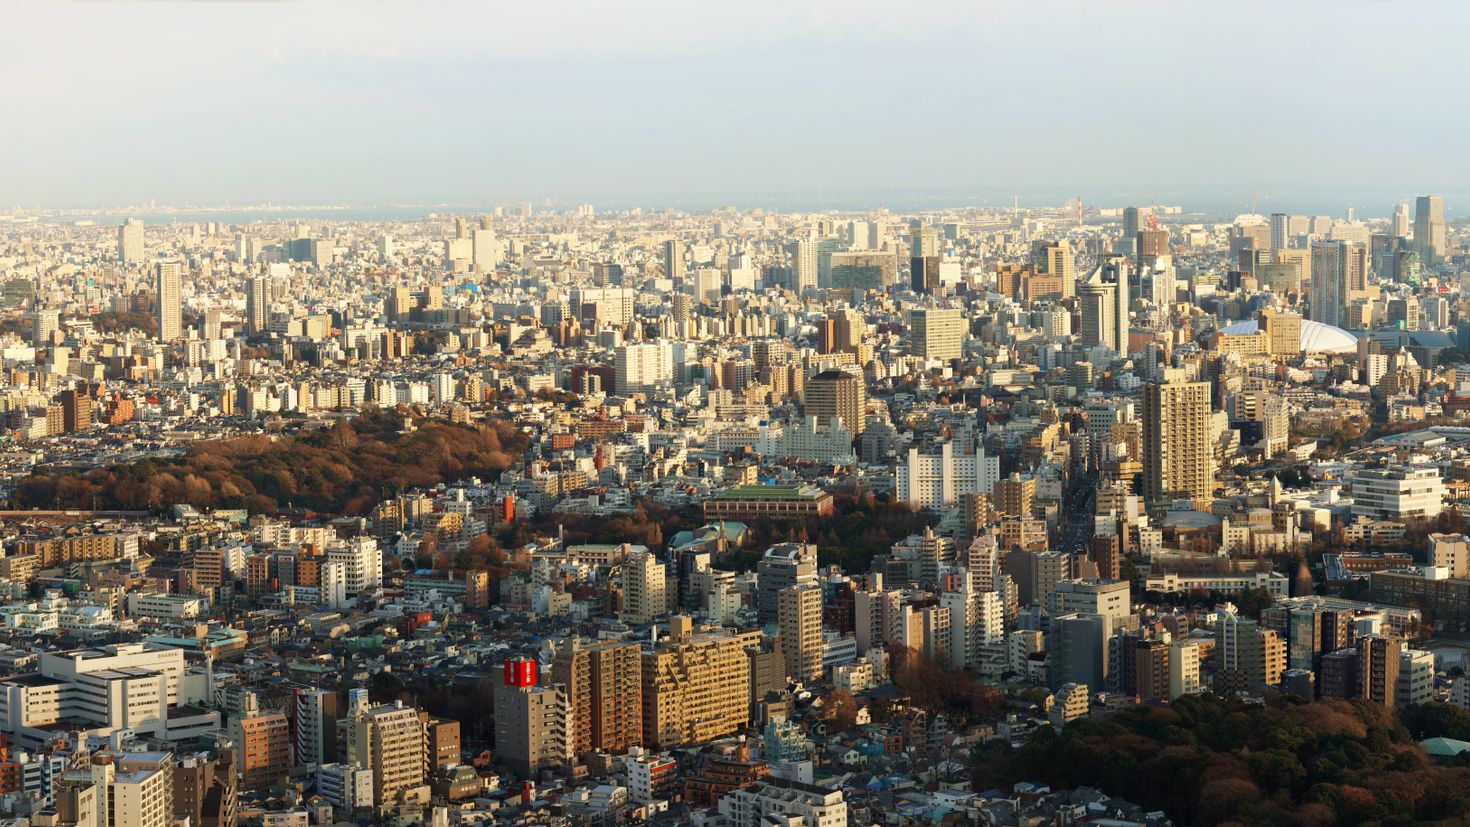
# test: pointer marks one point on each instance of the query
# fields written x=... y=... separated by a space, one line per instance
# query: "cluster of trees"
x=343 y=469
x=1209 y=760
x=862 y=527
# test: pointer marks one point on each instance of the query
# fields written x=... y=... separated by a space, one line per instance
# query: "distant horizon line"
x=1203 y=200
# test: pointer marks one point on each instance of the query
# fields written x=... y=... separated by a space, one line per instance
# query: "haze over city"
x=1310 y=104
x=749 y=414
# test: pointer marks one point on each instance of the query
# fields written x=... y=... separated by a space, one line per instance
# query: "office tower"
x=1054 y=258
x=263 y=749
x=1326 y=298
x=130 y=242
x=861 y=271
x=1178 y=460
x=923 y=258
x=781 y=567
x=170 y=309
x=936 y=333
x=799 y=616
x=76 y=410
x=1153 y=245
x=837 y=394
x=1280 y=231
x=531 y=729
x=674 y=260
x=389 y=740
x=604 y=685
x=644 y=597
x=1400 y=228
x=1117 y=267
x=1098 y=301
x=696 y=685
x=1131 y=224
x=803 y=265
x=314 y=717
x=258 y=305
x=1378 y=668
x=1430 y=238
x=1283 y=332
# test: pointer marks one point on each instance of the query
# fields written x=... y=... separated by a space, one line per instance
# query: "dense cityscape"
x=785 y=413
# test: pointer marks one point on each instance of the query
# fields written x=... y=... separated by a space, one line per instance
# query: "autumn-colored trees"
x=342 y=469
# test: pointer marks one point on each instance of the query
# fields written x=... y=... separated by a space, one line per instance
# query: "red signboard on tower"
x=520 y=672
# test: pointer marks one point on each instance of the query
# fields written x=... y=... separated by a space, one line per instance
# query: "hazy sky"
x=501 y=100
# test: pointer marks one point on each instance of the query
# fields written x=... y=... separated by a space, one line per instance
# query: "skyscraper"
x=258 y=304
x=936 y=333
x=130 y=242
x=1280 y=230
x=1429 y=228
x=1177 y=457
x=923 y=258
x=170 y=310
x=1401 y=220
x=803 y=264
x=674 y=259
x=1329 y=282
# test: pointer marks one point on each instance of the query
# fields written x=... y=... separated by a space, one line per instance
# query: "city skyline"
x=656 y=101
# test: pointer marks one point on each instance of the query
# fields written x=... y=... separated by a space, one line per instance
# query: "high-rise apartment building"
x=604 y=685
x=389 y=740
x=696 y=685
x=1327 y=296
x=258 y=304
x=170 y=308
x=263 y=749
x=837 y=394
x=674 y=259
x=799 y=615
x=1178 y=460
x=936 y=333
x=1378 y=668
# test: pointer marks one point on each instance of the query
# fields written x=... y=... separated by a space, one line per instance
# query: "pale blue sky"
x=207 y=101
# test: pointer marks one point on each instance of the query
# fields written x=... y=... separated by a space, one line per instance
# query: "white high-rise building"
x=362 y=564
x=645 y=593
x=643 y=367
x=938 y=480
x=130 y=242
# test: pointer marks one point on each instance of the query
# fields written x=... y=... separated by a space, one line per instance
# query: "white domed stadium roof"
x=1316 y=337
